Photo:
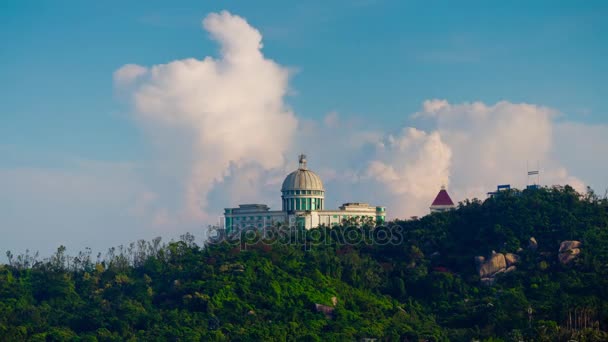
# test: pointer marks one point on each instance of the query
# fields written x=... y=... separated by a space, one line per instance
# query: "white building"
x=303 y=205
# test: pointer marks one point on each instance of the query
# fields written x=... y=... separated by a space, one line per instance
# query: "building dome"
x=302 y=189
x=302 y=179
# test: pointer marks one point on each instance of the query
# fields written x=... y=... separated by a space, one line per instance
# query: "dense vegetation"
x=413 y=280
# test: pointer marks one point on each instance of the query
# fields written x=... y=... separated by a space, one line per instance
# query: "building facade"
x=302 y=205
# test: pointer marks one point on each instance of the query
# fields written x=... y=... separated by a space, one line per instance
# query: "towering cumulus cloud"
x=223 y=130
x=226 y=111
x=473 y=147
x=493 y=143
x=412 y=165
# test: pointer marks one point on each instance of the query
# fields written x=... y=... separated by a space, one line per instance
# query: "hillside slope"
x=472 y=273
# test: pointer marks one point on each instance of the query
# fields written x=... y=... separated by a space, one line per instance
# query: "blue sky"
x=374 y=62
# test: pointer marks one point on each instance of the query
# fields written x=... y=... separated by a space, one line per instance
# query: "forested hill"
x=529 y=265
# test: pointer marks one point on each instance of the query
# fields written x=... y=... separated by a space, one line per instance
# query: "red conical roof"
x=442 y=198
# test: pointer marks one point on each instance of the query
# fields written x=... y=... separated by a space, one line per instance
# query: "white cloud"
x=411 y=166
x=473 y=147
x=128 y=73
x=581 y=148
x=227 y=111
x=492 y=144
x=228 y=122
x=432 y=107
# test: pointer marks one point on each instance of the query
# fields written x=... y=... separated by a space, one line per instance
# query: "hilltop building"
x=499 y=189
x=442 y=202
x=303 y=205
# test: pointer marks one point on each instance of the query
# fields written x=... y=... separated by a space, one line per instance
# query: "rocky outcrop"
x=569 y=250
x=511 y=259
x=494 y=265
x=569 y=245
x=532 y=244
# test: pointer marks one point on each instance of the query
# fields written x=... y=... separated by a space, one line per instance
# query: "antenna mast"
x=533 y=181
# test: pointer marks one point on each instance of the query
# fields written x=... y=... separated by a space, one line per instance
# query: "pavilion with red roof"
x=442 y=202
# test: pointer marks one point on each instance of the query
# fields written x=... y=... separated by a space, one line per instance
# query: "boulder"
x=569 y=255
x=568 y=251
x=502 y=270
x=532 y=244
x=511 y=259
x=569 y=245
x=493 y=265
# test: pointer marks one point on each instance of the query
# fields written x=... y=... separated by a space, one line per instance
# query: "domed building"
x=303 y=205
x=302 y=189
